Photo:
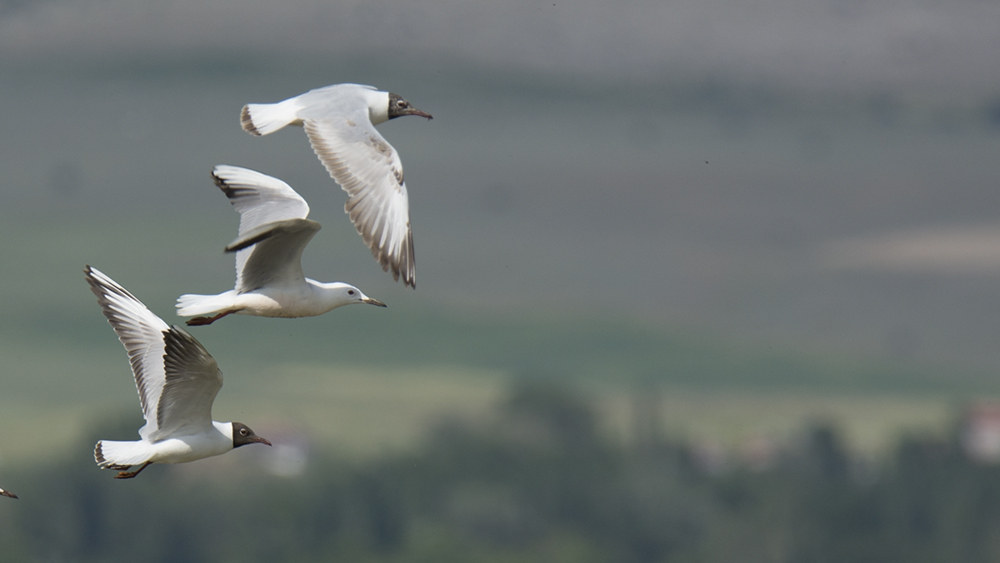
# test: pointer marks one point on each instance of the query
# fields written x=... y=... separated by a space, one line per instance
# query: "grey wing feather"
x=141 y=332
x=192 y=381
x=370 y=171
x=260 y=200
x=176 y=377
x=275 y=257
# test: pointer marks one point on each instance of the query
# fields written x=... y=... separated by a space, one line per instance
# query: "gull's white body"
x=177 y=449
x=340 y=122
x=307 y=298
x=273 y=234
x=268 y=118
x=177 y=380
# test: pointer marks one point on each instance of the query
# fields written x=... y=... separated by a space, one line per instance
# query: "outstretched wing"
x=369 y=170
x=272 y=255
x=261 y=201
x=177 y=379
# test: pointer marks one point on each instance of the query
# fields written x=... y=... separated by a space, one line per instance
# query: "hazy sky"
x=916 y=48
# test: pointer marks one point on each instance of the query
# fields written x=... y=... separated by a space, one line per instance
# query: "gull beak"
x=260 y=440
x=371 y=301
x=415 y=111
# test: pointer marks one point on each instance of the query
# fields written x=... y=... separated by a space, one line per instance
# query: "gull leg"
x=130 y=474
x=202 y=321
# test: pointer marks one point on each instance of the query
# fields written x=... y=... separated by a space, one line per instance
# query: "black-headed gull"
x=340 y=122
x=4 y=493
x=273 y=233
x=177 y=380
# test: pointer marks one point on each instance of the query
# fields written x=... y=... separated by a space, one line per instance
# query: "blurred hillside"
x=533 y=479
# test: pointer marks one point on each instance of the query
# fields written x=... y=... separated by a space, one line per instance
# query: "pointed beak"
x=415 y=111
x=371 y=301
x=260 y=440
x=7 y=494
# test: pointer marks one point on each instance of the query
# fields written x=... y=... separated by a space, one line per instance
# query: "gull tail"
x=262 y=119
x=189 y=305
x=121 y=455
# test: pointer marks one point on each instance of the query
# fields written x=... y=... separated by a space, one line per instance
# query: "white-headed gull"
x=340 y=122
x=273 y=233
x=4 y=493
x=177 y=380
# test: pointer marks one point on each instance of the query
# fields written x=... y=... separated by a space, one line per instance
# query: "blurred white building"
x=980 y=433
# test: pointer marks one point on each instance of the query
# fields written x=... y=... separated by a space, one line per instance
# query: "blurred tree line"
x=534 y=481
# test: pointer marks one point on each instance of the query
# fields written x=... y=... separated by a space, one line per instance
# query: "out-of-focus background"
x=698 y=281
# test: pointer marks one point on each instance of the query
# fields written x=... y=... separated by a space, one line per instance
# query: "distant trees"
x=533 y=481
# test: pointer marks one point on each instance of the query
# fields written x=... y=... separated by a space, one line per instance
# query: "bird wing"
x=272 y=254
x=193 y=379
x=260 y=200
x=369 y=170
x=177 y=379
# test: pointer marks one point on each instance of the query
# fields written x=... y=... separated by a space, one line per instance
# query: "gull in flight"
x=4 y=493
x=273 y=233
x=340 y=122
x=177 y=380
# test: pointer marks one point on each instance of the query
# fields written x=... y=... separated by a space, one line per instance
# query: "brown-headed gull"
x=340 y=122
x=177 y=380
x=273 y=233
x=4 y=493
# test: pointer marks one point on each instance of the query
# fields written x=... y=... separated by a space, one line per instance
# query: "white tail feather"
x=121 y=454
x=189 y=305
x=262 y=119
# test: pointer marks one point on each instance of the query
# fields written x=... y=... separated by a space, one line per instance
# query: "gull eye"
x=243 y=432
x=350 y=292
x=402 y=103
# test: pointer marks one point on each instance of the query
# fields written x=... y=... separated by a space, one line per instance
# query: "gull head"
x=4 y=493
x=242 y=435
x=399 y=107
x=349 y=295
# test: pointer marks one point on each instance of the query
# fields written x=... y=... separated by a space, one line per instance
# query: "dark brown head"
x=399 y=107
x=242 y=435
x=4 y=493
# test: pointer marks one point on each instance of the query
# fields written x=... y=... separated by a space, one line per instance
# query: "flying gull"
x=177 y=380
x=4 y=493
x=273 y=233
x=340 y=122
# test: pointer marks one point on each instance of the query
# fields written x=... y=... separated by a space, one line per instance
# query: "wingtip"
x=221 y=182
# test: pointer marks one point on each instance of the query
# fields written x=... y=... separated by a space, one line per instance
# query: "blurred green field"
x=364 y=380
x=360 y=411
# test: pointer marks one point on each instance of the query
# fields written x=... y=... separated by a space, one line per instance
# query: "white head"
x=340 y=294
